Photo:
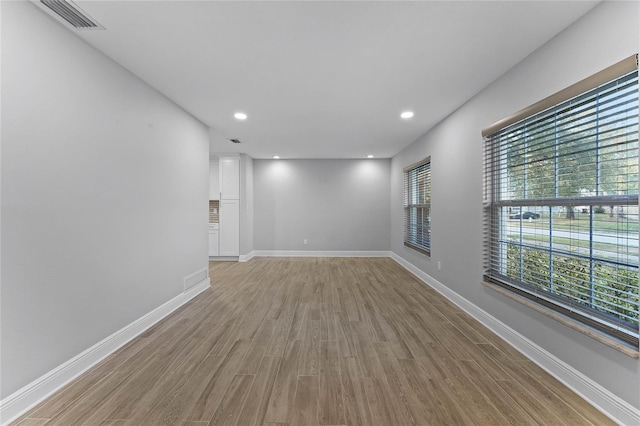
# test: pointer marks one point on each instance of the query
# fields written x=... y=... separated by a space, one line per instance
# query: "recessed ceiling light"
x=369 y=156
x=240 y=116
x=407 y=114
x=276 y=157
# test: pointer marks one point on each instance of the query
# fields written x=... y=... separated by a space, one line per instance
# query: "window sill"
x=418 y=249
x=594 y=334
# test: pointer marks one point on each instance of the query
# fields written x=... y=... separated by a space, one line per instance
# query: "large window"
x=561 y=202
x=417 y=206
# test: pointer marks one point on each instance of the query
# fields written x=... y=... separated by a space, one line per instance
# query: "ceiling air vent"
x=71 y=14
x=235 y=140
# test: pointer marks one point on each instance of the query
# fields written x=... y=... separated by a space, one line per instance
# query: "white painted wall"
x=335 y=204
x=246 y=205
x=214 y=178
x=104 y=196
x=604 y=36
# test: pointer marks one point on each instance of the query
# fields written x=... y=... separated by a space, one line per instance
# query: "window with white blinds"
x=561 y=206
x=417 y=206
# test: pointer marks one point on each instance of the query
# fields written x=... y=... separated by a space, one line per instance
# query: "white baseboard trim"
x=612 y=406
x=224 y=258
x=29 y=396
x=327 y=253
x=246 y=257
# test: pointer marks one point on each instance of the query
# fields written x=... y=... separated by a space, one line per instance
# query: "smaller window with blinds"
x=417 y=206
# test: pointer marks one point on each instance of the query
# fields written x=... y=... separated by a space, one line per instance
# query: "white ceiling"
x=323 y=79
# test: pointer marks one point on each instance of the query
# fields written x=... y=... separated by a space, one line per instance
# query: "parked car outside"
x=525 y=215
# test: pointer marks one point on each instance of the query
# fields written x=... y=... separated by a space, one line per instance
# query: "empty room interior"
x=319 y=212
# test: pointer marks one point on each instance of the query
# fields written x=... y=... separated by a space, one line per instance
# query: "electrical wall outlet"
x=439 y=266
x=305 y=241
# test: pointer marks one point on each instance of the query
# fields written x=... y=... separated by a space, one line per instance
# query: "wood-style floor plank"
x=229 y=409
x=315 y=341
x=255 y=408
x=305 y=407
x=33 y=422
x=284 y=388
x=208 y=401
x=356 y=407
x=331 y=406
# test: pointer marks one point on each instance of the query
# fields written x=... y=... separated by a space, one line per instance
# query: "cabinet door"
x=213 y=243
x=229 y=227
x=214 y=179
x=229 y=178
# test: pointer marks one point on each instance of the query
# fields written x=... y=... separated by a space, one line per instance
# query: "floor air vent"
x=71 y=14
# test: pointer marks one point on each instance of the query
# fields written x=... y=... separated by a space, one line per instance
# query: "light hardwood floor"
x=316 y=341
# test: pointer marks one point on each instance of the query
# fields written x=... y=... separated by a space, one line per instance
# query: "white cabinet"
x=214 y=179
x=229 y=187
x=214 y=235
x=229 y=227
x=229 y=178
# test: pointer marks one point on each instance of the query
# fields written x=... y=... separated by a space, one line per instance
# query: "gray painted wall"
x=104 y=196
x=608 y=34
x=334 y=204
x=246 y=204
